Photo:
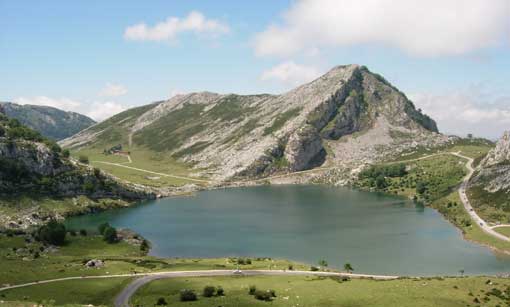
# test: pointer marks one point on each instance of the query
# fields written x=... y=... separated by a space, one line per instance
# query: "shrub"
x=101 y=228
x=83 y=159
x=161 y=301
x=72 y=233
x=314 y=268
x=187 y=295
x=144 y=246
x=110 y=235
x=97 y=173
x=66 y=153
x=220 y=291
x=52 y=233
x=83 y=232
x=208 y=291
x=263 y=295
x=252 y=290
x=291 y=267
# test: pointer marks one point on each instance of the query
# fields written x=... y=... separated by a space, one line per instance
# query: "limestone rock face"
x=304 y=148
x=494 y=172
x=37 y=157
x=500 y=154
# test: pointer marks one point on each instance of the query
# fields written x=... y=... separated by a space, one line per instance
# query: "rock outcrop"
x=494 y=172
x=303 y=148
x=500 y=154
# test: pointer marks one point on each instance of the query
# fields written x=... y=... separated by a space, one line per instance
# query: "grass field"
x=97 y=292
x=320 y=291
x=159 y=162
x=17 y=255
x=503 y=230
x=473 y=148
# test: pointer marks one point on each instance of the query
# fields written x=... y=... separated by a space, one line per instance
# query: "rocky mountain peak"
x=501 y=153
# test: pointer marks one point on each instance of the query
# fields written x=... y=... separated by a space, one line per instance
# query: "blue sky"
x=451 y=57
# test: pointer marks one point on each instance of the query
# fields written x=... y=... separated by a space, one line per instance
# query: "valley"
x=263 y=176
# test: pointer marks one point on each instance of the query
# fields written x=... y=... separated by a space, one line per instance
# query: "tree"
x=323 y=263
x=102 y=227
x=421 y=187
x=220 y=291
x=144 y=246
x=461 y=271
x=2 y=131
x=380 y=182
x=83 y=232
x=208 y=291
x=348 y=267
x=83 y=159
x=52 y=233
x=66 y=153
x=110 y=235
x=161 y=301
x=188 y=295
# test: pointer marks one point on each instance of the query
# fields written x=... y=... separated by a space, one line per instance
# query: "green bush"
x=83 y=232
x=314 y=268
x=263 y=295
x=161 y=301
x=52 y=233
x=209 y=291
x=102 y=227
x=110 y=235
x=220 y=291
x=252 y=290
x=66 y=153
x=83 y=159
x=188 y=295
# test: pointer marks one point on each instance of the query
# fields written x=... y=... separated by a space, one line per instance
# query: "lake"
x=376 y=233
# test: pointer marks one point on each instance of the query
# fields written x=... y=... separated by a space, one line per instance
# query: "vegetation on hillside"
x=50 y=122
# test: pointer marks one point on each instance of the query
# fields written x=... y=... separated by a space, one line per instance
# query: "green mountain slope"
x=50 y=122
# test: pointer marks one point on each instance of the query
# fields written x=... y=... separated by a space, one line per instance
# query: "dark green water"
x=375 y=233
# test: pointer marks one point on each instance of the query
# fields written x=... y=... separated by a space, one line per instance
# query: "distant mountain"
x=50 y=122
x=348 y=117
x=490 y=187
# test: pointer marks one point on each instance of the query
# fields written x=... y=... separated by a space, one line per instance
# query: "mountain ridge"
x=231 y=135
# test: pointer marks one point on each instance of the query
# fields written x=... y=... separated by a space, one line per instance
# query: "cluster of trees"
x=108 y=232
x=376 y=175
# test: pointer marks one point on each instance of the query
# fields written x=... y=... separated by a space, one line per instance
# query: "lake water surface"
x=376 y=233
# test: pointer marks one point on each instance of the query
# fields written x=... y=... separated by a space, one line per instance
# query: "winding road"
x=467 y=205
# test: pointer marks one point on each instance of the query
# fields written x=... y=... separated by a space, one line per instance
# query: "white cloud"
x=96 y=110
x=59 y=103
x=421 y=28
x=102 y=110
x=113 y=90
x=168 y=30
x=290 y=73
x=468 y=111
